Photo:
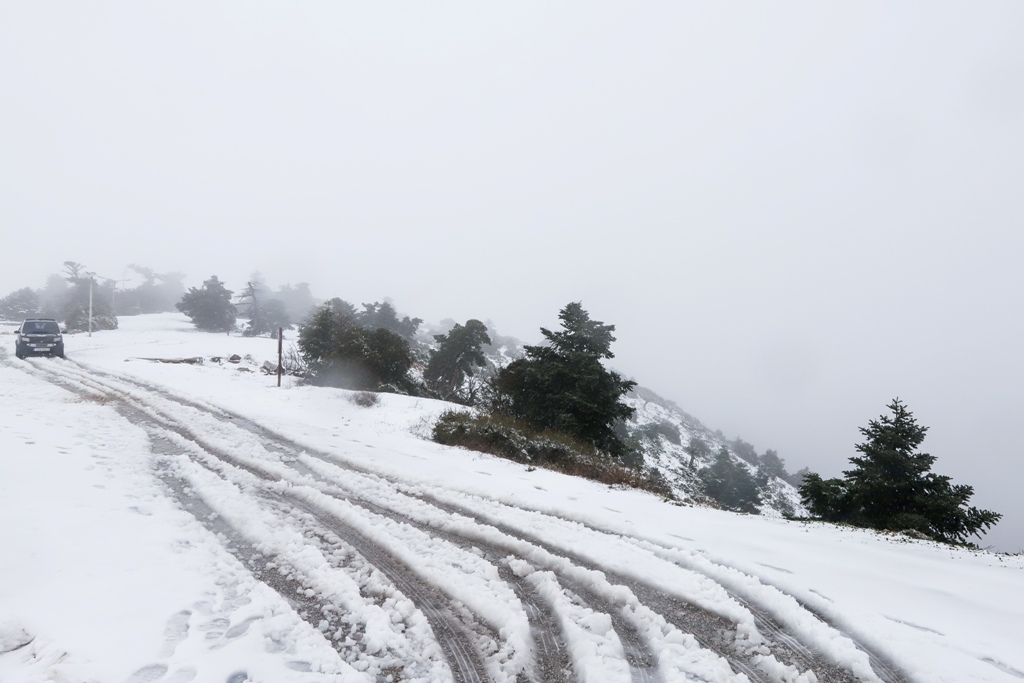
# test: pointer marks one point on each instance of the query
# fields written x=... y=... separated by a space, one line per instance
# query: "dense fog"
x=791 y=214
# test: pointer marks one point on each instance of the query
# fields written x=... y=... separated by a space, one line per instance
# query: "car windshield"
x=40 y=327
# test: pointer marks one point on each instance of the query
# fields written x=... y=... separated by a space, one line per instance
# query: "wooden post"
x=280 y=345
x=90 y=305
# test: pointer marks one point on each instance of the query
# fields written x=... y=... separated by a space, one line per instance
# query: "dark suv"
x=39 y=336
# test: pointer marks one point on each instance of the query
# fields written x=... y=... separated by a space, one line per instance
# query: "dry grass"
x=509 y=438
x=365 y=399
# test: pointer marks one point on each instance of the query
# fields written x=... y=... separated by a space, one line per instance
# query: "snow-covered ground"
x=109 y=573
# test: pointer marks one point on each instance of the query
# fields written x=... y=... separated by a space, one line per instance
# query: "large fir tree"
x=339 y=352
x=383 y=315
x=21 y=303
x=265 y=313
x=731 y=484
x=209 y=307
x=891 y=486
x=456 y=357
x=564 y=386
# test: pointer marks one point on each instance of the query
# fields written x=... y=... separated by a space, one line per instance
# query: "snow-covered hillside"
x=668 y=430
x=662 y=433
x=194 y=522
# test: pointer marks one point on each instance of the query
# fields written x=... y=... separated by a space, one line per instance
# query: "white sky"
x=792 y=213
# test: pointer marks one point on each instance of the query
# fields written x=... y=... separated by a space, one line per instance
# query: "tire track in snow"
x=462 y=657
x=553 y=658
x=679 y=615
x=636 y=649
x=711 y=631
x=466 y=664
x=642 y=668
x=798 y=651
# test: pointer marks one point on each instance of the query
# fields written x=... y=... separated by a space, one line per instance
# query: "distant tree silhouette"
x=298 y=301
x=21 y=303
x=697 y=448
x=158 y=292
x=744 y=450
x=265 y=314
x=731 y=484
x=771 y=465
x=74 y=309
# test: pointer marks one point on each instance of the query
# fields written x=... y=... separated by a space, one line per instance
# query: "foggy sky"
x=792 y=212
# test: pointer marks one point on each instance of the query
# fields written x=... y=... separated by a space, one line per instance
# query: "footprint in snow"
x=148 y=674
x=218 y=624
x=183 y=675
x=240 y=629
x=13 y=637
x=236 y=601
x=175 y=631
x=238 y=677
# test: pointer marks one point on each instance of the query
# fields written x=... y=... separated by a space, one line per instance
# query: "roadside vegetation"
x=515 y=439
x=553 y=405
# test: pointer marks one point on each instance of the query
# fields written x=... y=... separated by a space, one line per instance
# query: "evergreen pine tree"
x=209 y=307
x=383 y=315
x=889 y=476
x=697 y=448
x=21 y=303
x=265 y=314
x=339 y=352
x=564 y=386
x=891 y=486
x=731 y=484
x=275 y=317
x=458 y=354
x=772 y=465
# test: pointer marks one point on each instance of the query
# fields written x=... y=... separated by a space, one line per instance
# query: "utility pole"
x=280 y=346
x=91 y=280
x=113 y=293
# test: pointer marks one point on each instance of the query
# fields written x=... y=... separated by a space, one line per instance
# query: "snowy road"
x=417 y=582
